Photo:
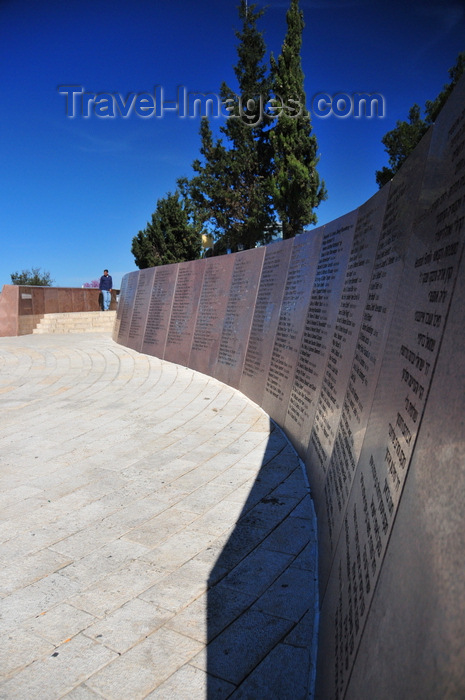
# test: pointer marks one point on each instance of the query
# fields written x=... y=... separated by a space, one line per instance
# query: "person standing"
x=105 y=286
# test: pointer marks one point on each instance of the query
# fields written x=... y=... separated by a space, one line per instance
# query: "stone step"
x=77 y=322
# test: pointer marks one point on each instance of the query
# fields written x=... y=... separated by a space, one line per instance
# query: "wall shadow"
x=262 y=601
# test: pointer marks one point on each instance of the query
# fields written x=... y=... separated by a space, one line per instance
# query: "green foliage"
x=261 y=167
x=173 y=234
x=432 y=108
x=231 y=187
x=296 y=187
x=32 y=278
x=401 y=141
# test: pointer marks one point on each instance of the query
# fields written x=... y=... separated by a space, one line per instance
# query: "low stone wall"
x=350 y=337
x=22 y=307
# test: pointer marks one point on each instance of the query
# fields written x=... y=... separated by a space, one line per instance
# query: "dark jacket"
x=106 y=283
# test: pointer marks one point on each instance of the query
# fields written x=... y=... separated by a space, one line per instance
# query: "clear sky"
x=74 y=191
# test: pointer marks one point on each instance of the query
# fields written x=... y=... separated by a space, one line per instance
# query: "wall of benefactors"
x=351 y=338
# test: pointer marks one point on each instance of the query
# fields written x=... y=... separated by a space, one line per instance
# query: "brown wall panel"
x=38 y=300
x=159 y=310
x=85 y=299
x=65 y=300
x=265 y=320
x=238 y=316
x=139 y=312
x=27 y=298
x=126 y=306
x=51 y=297
x=9 y=303
x=213 y=301
x=297 y=290
x=379 y=310
x=412 y=644
x=121 y=307
x=349 y=323
x=318 y=327
x=184 y=311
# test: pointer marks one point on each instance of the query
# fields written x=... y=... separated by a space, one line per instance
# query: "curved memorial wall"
x=351 y=338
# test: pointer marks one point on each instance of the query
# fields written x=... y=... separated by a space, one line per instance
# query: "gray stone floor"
x=157 y=538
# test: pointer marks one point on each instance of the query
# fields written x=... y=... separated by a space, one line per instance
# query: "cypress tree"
x=296 y=186
x=232 y=185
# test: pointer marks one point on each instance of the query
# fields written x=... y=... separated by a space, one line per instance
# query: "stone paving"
x=157 y=538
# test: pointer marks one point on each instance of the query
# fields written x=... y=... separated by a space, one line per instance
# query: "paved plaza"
x=157 y=538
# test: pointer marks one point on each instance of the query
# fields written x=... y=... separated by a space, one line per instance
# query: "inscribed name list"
x=297 y=289
x=159 y=310
x=212 y=308
x=348 y=325
x=139 y=312
x=238 y=315
x=126 y=305
x=265 y=319
x=318 y=329
x=432 y=256
x=184 y=311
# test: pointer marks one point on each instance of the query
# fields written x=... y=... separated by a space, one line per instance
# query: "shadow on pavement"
x=262 y=598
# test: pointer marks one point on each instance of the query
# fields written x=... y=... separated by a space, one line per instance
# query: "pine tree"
x=173 y=235
x=296 y=186
x=207 y=189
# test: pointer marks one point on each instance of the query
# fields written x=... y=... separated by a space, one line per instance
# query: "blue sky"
x=75 y=191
